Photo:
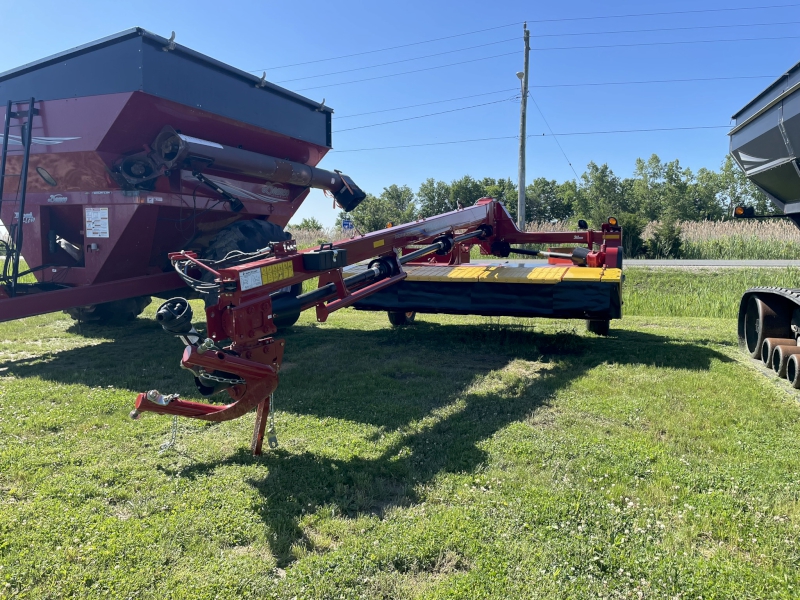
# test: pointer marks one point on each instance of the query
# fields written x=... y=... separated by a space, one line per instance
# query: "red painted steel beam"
x=44 y=302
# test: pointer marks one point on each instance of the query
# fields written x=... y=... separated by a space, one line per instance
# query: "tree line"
x=658 y=191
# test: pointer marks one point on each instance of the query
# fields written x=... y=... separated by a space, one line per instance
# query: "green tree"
x=504 y=190
x=547 y=200
x=736 y=190
x=307 y=224
x=395 y=205
x=466 y=190
x=601 y=195
x=433 y=198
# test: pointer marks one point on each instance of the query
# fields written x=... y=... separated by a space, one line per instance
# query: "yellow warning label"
x=611 y=237
x=377 y=244
x=279 y=272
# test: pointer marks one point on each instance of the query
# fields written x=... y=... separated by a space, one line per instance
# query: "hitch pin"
x=155 y=397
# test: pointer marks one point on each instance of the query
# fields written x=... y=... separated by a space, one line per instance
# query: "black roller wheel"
x=110 y=313
x=398 y=318
x=765 y=317
x=249 y=236
x=598 y=326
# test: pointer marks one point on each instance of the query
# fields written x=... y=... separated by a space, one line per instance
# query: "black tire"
x=399 y=318
x=598 y=327
x=249 y=236
x=110 y=313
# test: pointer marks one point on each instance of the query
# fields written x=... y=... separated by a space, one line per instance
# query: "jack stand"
x=263 y=414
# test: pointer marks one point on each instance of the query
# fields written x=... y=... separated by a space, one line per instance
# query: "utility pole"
x=523 y=110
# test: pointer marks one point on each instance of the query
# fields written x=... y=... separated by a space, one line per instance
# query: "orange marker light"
x=739 y=211
x=612 y=221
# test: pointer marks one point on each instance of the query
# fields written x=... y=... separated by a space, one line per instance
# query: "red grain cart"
x=103 y=202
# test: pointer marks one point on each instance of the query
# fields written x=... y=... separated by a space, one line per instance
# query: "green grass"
x=458 y=458
x=701 y=292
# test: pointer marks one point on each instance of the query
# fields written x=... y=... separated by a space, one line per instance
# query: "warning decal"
x=96 y=222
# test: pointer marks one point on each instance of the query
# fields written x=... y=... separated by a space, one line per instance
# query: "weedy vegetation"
x=461 y=457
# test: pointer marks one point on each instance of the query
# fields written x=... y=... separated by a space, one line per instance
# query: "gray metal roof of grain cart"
x=766 y=139
x=137 y=60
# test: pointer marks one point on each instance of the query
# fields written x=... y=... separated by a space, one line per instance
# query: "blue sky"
x=267 y=35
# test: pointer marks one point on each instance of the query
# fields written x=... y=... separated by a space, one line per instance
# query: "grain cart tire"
x=249 y=236
x=764 y=317
x=110 y=313
x=398 y=318
x=598 y=327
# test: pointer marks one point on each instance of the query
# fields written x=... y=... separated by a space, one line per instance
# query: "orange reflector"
x=612 y=221
x=739 y=211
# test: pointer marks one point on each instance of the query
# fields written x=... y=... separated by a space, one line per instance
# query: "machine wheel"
x=765 y=318
x=398 y=318
x=110 y=313
x=249 y=236
x=598 y=327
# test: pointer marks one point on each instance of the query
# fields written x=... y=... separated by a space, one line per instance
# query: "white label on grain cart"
x=96 y=222
x=152 y=199
x=250 y=279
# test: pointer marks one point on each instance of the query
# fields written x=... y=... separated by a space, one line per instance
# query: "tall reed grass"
x=712 y=240
x=744 y=240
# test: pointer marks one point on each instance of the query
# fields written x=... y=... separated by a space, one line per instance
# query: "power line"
x=775 y=37
x=557 y=85
x=514 y=137
x=449 y=37
x=463 y=62
x=423 y=116
x=602 y=83
x=514 y=39
x=395 y=62
x=657 y=29
x=339 y=118
x=543 y=49
x=541 y=114
x=508 y=137
x=631 y=130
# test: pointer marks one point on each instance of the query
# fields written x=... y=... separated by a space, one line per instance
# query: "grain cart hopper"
x=132 y=147
x=765 y=142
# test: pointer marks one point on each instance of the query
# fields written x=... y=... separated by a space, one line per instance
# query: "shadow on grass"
x=388 y=379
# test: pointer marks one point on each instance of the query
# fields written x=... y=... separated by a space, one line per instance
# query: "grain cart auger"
x=240 y=356
x=764 y=142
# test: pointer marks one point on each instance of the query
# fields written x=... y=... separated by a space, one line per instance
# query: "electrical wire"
x=508 y=137
x=541 y=114
x=553 y=85
x=515 y=39
x=404 y=60
x=515 y=137
x=338 y=83
x=673 y=43
x=630 y=130
x=423 y=116
x=339 y=118
x=463 y=62
x=602 y=83
x=568 y=19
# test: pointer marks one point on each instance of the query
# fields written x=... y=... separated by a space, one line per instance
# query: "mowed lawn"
x=457 y=458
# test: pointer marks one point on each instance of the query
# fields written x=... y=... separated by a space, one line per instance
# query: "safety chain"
x=169 y=444
x=206 y=375
x=272 y=436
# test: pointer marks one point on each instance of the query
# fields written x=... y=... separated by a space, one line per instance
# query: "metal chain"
x=206 y=375
x=169 y=444
x=272 y=436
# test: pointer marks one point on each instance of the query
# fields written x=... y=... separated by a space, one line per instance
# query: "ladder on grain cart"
x=14 y=244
